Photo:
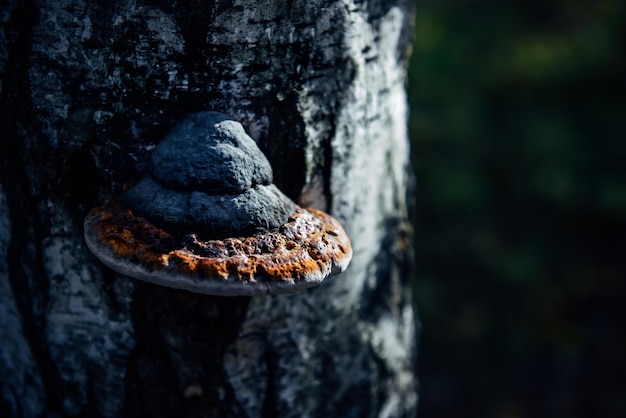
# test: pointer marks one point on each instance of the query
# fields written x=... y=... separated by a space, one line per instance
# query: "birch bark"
x=88 y=89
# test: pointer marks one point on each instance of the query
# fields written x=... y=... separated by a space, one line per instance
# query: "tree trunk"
x=88 y=89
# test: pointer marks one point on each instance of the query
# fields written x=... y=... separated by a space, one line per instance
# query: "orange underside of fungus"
x=310 y=246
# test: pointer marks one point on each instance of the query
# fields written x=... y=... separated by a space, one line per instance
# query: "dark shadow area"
x=518 y=133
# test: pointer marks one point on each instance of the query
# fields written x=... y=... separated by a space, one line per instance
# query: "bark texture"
x=87 y=90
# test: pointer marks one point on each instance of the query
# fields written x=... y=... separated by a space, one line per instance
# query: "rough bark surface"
x=87 y=90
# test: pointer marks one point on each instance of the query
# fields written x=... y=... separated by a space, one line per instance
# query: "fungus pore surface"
x=207 y=218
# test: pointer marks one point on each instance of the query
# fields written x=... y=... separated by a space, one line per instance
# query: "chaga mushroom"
x=207 y=218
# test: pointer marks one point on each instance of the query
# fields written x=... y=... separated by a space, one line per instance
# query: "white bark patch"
x=87 y=340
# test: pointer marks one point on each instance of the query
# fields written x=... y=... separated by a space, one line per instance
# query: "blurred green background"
x=518 y=126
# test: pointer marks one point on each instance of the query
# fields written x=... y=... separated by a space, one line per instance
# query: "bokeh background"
x=518 y=125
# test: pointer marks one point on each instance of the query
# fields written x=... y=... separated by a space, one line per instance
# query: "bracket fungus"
x=207 y=218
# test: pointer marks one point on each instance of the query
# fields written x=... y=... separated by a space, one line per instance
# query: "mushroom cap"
x=300 y=254
x=209 y=215
x=207 y=219
x=209 y=152
x=207 y=176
